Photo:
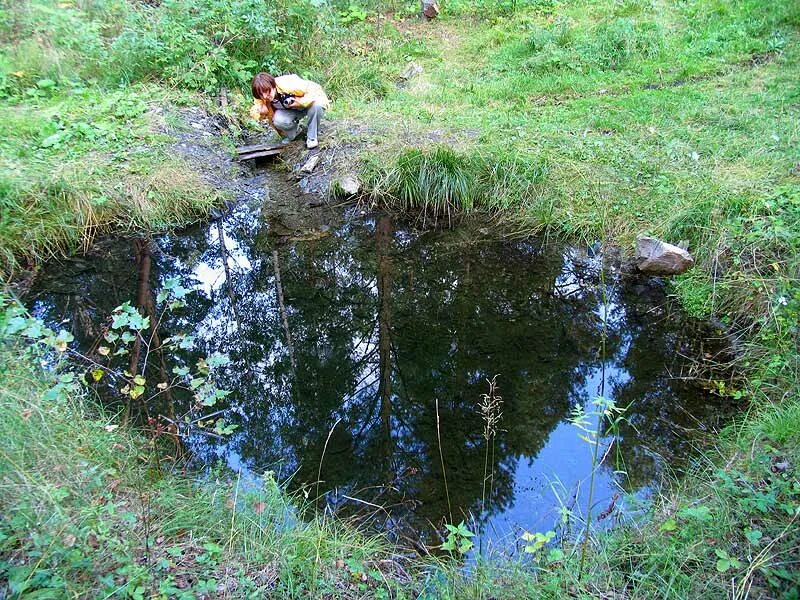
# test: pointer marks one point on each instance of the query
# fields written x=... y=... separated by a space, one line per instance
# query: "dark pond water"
x=369 y=323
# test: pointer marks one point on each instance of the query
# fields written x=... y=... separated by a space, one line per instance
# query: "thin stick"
x=322 y=458
x=441 y=457
x=600 y=420
x=233 y=512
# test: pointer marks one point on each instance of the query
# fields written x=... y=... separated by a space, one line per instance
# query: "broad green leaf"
x=555 y=554
x=669 y=525
x=753 y=535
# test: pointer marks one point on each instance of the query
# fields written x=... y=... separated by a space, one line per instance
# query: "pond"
x=360 y=348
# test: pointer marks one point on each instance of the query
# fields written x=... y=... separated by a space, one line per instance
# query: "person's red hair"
x=264 y=88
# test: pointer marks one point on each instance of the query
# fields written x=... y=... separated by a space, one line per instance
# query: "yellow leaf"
x=97 y=374
x=163 y=385
x=103 y=350
x=139 y=380
x=18 y=73
x=61 y=346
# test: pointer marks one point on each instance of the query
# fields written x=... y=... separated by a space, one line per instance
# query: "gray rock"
x=348 y=185
x=412 y=70
x=656 y=257
x=310 y=164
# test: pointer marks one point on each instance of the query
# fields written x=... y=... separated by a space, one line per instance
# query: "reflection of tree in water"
x=664 y=407
x=371 y=326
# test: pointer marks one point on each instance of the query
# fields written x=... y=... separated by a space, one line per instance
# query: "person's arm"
x=260 y=111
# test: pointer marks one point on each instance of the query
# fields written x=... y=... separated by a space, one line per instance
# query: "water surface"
x=345 y=334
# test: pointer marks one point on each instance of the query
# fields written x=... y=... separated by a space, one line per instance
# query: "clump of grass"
x=51 y=214
x=443 y=181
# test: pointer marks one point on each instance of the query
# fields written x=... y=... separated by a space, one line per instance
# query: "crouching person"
x=284 y=100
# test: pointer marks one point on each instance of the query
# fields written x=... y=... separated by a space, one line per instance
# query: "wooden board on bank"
x=259 y=151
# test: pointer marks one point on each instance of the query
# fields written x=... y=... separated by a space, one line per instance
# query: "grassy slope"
x=80 y=161
x=89 y=510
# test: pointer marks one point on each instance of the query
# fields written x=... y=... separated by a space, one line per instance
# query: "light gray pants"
x=288 y=120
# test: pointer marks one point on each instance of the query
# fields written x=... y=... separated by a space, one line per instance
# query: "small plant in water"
x=605 y=413
x=458 y=539
x=535 y=544
x=490 y=408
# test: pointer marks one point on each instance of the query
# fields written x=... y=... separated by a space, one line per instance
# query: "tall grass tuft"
x=441 y=181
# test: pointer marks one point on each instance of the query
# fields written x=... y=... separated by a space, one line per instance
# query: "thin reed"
x=490 y=408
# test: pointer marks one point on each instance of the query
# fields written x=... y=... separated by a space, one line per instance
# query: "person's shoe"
x=311 y=143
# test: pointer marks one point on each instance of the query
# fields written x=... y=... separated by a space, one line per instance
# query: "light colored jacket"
x=304 y=91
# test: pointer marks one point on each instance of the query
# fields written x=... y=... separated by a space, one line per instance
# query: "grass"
x=90 y=508
x=79 y=162
x=598 y=120
x=678 y=120
x=93 y=508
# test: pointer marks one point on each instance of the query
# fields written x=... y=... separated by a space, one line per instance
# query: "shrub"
x=194 y=44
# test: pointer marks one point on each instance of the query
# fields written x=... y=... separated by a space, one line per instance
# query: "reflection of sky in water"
x=456 y=314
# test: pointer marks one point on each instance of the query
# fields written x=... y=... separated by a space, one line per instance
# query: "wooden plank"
x=260 y=154
x=258 y=148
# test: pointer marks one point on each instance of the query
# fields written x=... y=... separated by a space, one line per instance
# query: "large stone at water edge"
x=655 y=257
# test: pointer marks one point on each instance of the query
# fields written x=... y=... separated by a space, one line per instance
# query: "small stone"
x=310 y=164
x=656 y=257
x=412 y=70
x=349 y=185
x=780 y=466
x=430 y=9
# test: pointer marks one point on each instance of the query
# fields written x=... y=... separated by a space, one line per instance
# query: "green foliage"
x=85 y=161
x=199 y=44
x=609 y=46
x=493 y=8
x=127 y=332
x=458 y=539
x=90 y=508
x=535 y=542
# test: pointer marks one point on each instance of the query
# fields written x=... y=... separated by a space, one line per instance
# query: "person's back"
x=306 y=91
